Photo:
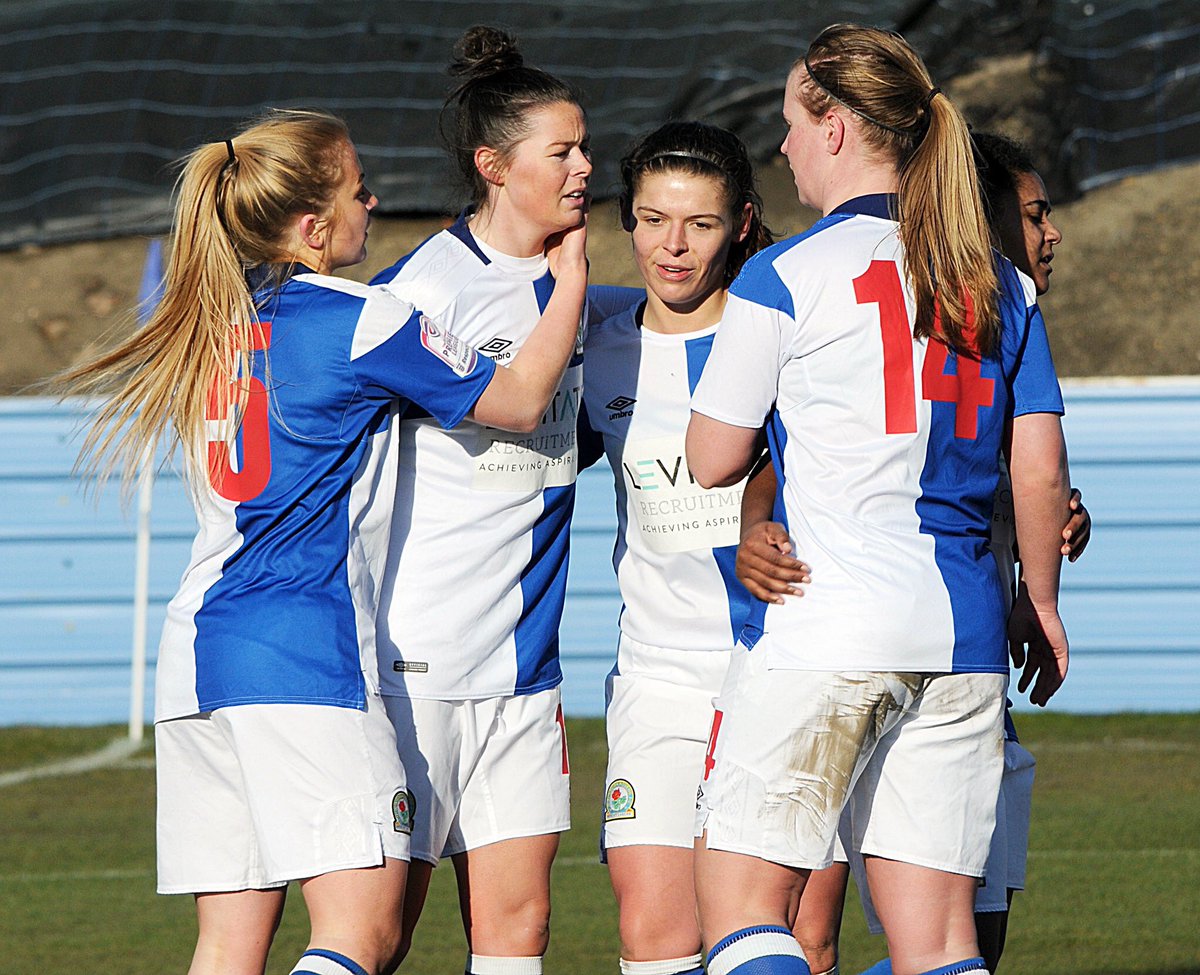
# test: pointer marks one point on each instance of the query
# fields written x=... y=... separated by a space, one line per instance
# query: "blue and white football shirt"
x=886 y=448
x=676 y=542
x=477 y=569
x=279 y=599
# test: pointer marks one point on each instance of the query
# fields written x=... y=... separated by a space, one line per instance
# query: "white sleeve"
x=740 y=381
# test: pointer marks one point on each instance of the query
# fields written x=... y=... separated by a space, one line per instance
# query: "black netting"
x=1130 y=85
x=99 y=97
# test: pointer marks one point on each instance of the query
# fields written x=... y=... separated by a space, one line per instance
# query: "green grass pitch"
x=1114 y=865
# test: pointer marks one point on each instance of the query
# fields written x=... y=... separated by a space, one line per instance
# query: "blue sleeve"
x=606 y=300
x=412 y=358
x=1034 y=382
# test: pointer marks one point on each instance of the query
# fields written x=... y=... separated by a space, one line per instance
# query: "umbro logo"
x=495 y=346
x=620 y=407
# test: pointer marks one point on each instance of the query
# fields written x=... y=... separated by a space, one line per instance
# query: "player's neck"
x=672 y=319
x=507 y=231
x=864 y=180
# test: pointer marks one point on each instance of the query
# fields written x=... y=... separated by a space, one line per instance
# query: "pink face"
x=352 y=206
x=682 y=236
x=802 y=145
x=1027 y=236
x=545 y=177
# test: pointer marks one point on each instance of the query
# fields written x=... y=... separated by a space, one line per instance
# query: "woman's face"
x=544 y=180
x=1027 y=237
x=682 y=235
x=802 y=145
x=350 y=214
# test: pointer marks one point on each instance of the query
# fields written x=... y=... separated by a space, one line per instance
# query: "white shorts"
x=657 y=719
x=483 y=771
x=918 y=757
x=255 y=795
x=1005 y=868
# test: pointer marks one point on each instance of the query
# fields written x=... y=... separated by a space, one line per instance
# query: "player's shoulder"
x=618 y=328
x=337 y=301
x=355 y=291
x=605 y=301
x=1017 y=299
x=796 y=257
x=435 y=273
x=1014 y=282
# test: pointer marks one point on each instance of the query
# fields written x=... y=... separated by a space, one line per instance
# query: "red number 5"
x=252 y=475
x=966 y=387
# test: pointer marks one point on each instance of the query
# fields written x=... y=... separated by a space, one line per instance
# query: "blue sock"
x=881 y=967
x=322 y=961
x=766 y=949
x=968 y=966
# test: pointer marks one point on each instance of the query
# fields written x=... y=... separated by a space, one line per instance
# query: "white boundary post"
x=148 y=294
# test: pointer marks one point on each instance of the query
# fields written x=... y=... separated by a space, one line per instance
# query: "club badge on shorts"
x=618 y=801
x=404 y=808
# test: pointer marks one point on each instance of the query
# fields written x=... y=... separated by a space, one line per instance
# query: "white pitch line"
x=110 y=754
x=1103 y=745
x=73 y=876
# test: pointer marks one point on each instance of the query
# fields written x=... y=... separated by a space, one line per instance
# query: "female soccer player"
x=1018 y=212
x=689 y=203
x=276 y=761
x=468 y=634
x=885 y=685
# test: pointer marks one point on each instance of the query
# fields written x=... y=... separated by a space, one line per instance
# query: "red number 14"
x=966 y=387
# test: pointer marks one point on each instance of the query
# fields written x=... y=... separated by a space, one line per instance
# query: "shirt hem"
x=205 y=707
x=480 y=695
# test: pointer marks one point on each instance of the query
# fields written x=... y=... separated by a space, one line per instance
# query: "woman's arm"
x=720 y=454
x=1040 y=481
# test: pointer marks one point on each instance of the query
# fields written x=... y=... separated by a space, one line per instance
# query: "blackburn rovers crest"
x=618 y=801
x=404 y=808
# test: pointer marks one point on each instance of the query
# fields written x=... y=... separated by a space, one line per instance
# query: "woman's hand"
x=1078 y=530
x=567 y=249
x=765 y=565
x=1037 y=644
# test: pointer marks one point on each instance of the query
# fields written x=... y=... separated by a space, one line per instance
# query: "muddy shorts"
x=917 y=757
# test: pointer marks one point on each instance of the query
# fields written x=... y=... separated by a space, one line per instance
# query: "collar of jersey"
x=526 y=267
x=666 y=338
x=885 y=206
x=260 y=277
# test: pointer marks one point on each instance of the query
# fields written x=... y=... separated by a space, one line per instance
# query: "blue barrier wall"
x=1132 y=605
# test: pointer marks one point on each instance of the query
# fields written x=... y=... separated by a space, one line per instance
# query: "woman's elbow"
x=708 y=473
x=525 y=423
x=511 y=420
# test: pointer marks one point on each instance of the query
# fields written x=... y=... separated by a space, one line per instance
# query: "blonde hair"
x=235 y=203
x=948 y=254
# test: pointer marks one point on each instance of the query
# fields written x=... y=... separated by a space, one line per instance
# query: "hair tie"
x=929 y=97
x=861 y=114
x=229 y=146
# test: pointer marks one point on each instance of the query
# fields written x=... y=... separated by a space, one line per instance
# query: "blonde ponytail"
x=947 y=244
x=235 y=202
